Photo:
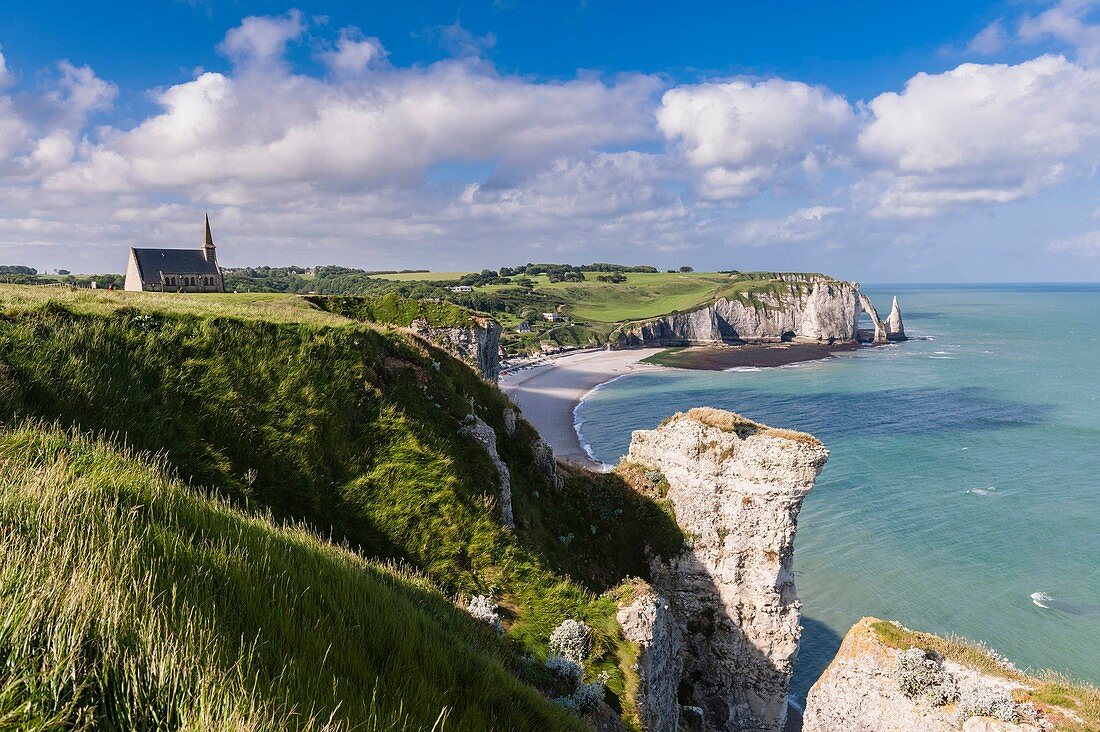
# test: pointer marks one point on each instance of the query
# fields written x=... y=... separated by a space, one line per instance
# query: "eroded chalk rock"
x=880 y=327
x=486 y=436
x=648 y=621
x=895 y=329
x=861 y=691
x=807 y=308
x=478 y=344
x=736 y=487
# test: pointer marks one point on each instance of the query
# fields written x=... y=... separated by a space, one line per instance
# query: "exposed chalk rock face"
x=699 y=327
x=736 y=487
x=861 y=691
x=818 y=308
x=880 y=327
x=895 y=329
x=547 y=463
x=487 y=437
x=477 y=345
x=648 y=621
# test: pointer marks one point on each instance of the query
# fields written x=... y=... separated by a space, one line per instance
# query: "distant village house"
x=176 y=270
x=552 y=317
x=462 y=288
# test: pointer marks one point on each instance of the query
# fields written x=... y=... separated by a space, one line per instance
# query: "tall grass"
x=131 y=602
x=355 y=431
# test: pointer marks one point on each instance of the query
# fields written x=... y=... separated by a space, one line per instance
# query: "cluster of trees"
x=17 y=269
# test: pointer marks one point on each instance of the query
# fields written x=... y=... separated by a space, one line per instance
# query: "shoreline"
x=549 y=391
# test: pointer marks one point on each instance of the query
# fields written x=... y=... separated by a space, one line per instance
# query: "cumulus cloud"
x=261 y=40
x=982 y=134
x=1072 y=22
x=746 y=135
x=354 y=52
x=387 y=128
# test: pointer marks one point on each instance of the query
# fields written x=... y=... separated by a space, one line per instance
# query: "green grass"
x=353 y=430
x=131 y=601
x=395 y=310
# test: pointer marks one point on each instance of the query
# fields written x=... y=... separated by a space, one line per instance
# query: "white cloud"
x=983 y=134
x=385 y=127
x=1086 y=245
x=262 y=40
x=5 y=74
x=353 y=52
x=993 y=38
x=1069 y=21
x=805 y=224
x=745 y=136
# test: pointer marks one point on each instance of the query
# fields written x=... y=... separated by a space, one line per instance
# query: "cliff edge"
x=887 y=678
x=718 y=632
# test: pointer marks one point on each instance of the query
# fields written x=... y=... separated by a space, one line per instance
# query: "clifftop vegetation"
x=264 y=413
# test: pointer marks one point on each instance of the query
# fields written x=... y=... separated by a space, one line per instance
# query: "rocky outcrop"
x=895 y=329
x=477 y=344
x=815 y=309
x=486 y=436
x=877 y=684
x=648 y=621
x=736 y=487
x=880 y=328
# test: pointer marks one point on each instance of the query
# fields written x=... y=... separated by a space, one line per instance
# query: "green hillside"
x=356 y=432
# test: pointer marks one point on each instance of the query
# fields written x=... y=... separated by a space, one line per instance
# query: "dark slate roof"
x=185 y=261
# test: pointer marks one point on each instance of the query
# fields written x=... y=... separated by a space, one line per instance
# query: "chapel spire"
x=208 y=241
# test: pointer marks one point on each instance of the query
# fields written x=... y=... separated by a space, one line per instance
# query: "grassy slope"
x=132 y=602
x=1072 y=706
x=355 y=430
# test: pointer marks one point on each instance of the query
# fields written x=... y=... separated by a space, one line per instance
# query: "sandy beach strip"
x=548 y=393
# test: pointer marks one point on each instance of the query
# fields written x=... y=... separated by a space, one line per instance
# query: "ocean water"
x=962 y=494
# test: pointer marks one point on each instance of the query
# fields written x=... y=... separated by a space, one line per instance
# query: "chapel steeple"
x=208 y=243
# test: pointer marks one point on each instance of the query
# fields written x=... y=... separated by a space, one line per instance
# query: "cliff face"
x=886 y=678
x=736 y=488
x=477 y=344
x=819 y=309
x=880 y=327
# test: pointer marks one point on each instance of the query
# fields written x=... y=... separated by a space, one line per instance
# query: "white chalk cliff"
x=869 y=687
x=895 y=329
x=814 y=308
x=722 y=624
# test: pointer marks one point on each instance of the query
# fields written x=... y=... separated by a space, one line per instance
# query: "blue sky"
x=941 y=141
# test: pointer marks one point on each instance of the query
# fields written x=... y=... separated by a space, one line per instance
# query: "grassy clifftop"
x=354 y=431
x=131 y=601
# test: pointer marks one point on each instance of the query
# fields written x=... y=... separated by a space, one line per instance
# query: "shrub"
x=565 y=669
x=977 y=699
x=588 y=696
x=484 y=609
x=921 y=676
x=572 y=639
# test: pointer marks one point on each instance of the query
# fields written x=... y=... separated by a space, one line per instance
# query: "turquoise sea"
x=964 y=474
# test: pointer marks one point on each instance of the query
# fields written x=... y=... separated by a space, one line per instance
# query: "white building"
x=462 y=288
